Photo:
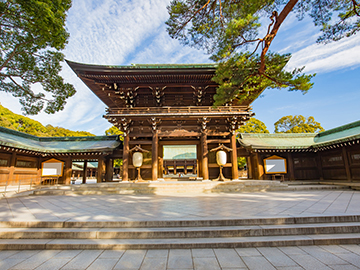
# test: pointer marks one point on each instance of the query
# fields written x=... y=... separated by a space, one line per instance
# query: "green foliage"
x=114 y=131
x=13 y=121
x=297 y=124
x=228 y=30
x=118 y=163
x=253 y=126
x=239 y=79
x=241 y=162
x=32 y=33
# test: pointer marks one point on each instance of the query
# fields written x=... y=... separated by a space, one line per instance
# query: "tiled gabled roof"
x=20 y=140
x=346 y=133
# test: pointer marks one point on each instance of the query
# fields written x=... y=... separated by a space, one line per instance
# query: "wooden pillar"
x=198 y=160
x=259 y=167
x=100 y=170
x=249 y=167
x=234 y=167
x=125 y=172
x=67 y=171
x=84 y=172
x=39 y=173
x=204 y=156
x=161 y=162
x=154 y=155
x=290 y=164
x=12 y=167
x=109 y=170
x=346 y=163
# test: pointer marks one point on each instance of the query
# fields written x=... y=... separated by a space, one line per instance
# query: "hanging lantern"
x=221 y=158
x=137 y=159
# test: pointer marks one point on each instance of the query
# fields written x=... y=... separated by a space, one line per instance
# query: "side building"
x=330 y=155
x=21 y=155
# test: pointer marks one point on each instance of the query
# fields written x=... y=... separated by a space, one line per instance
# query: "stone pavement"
x=183 y=207
x=285 y=258
x=180 y=207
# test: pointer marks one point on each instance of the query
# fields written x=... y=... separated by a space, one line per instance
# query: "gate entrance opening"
x=180 y=160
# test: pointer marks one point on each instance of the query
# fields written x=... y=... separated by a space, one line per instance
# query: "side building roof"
x=19 y=140
x=288 y=141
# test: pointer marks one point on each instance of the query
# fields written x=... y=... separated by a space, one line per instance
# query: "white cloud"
x=328 y=57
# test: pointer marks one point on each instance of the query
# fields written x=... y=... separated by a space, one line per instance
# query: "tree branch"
x=269 y=37
x=184 y=24
x=355 y=6
x=26 y=91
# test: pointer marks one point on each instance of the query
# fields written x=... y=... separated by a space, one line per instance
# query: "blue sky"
x=120 y=32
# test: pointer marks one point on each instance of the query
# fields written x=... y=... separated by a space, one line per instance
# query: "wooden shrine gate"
x=155 y=105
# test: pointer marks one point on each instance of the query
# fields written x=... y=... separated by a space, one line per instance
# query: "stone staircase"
x=177 y=187
x=251 y=232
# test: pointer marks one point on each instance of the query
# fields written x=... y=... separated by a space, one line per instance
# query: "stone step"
x=240 y=242
x=182 y=223
x=179 y=232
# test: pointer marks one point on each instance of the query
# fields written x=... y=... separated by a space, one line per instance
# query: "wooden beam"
x=218 y=141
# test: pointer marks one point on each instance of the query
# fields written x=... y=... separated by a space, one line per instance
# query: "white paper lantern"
x=221 y=158
x=137 y=159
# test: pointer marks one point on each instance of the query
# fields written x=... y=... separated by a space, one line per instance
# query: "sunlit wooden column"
x=154 y=155
x=260 y=167
x=234 y=123
x=204 y=149
x=125 y=171
x=249 y=167
x=290 y=164
x=155 y=148
x=109 y=171
x=204 y=156
x=234 y=163
x=67 y=171
x=125 y=128
x=84 y=172
x=100 y=169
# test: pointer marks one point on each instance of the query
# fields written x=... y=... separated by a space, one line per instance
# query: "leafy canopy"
x=13 y=121
x=32 y=33
x=228 y=30
x=297 y=124
x=253 y=126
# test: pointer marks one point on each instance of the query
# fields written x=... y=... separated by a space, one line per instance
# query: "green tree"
x=228 y=30
x=253 y=126
x=297 y=124
x=114 y=131
x=13 y=121
x=32 y=34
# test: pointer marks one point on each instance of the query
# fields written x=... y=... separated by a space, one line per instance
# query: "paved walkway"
x=305 y=257
x=155 y=207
